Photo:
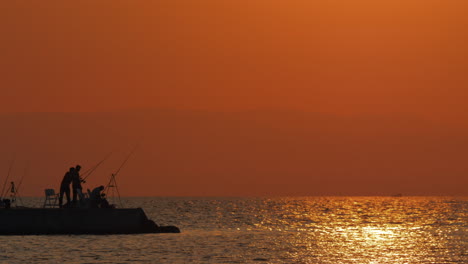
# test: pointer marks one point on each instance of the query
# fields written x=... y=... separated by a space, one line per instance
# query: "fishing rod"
x=91 y=170
x=21 y=180
x=112 y=180
x=16 y=193
x=125 y=161
x=6 y=179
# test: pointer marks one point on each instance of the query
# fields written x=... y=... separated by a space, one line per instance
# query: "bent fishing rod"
x=92 y=169
x=6 y=179
x=113 y=175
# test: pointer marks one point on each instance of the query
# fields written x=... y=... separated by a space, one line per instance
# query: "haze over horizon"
x=240 y=97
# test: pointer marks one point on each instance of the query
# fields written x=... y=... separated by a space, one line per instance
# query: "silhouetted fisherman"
x=65 y=186
x=96 y=197
x=76 y=184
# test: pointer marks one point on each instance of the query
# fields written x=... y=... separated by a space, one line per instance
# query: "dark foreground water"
x=270 y=230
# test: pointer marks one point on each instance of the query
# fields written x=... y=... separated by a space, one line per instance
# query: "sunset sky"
x=245 y=97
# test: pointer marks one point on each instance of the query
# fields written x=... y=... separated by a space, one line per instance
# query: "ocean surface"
x=269 y=230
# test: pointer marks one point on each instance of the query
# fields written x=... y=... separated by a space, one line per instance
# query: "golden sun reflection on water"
x=376 y=230
x=368 y=240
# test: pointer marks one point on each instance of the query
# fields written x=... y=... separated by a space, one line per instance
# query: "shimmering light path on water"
x=271 y=230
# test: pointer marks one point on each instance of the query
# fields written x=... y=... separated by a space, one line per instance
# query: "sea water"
x=269 y=230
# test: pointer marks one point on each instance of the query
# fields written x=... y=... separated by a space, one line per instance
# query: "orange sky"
x=366 y=66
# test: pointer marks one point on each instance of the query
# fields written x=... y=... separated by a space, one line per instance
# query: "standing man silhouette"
x=65 y=186
x=76 y=184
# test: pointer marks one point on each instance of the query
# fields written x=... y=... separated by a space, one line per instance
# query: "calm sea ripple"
x=269 y=230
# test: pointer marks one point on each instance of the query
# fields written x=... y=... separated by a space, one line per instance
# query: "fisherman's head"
x=101 y=188
x=72 y=169
x=78 y=167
